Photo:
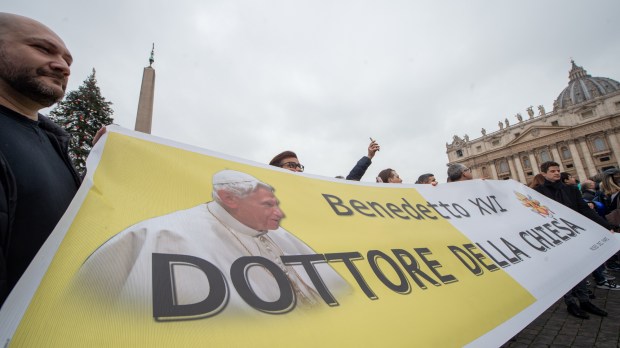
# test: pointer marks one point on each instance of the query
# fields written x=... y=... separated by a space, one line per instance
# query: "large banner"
x=167 y=245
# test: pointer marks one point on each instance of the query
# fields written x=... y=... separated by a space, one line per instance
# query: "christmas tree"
x=82 y=113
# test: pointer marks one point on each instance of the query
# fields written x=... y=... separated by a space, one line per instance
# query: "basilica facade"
x=582 y=134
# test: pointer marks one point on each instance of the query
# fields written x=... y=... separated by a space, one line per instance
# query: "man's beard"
x=23 y=81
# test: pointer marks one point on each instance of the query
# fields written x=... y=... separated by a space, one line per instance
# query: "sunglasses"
x=292 y=165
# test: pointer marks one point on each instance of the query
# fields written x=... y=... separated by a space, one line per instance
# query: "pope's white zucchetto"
x=232 y=177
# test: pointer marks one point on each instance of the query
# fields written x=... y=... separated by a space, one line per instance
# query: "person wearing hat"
x=242 y=220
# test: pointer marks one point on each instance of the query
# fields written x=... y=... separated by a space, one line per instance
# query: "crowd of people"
x=595 y=198
x=456 y=172
x=564 y=188
x=38 y=181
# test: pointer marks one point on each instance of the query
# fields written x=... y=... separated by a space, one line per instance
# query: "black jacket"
x=8 y=194
x=570 y=197
x=360 y=169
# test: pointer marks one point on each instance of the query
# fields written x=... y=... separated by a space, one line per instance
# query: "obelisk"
x=144 y=118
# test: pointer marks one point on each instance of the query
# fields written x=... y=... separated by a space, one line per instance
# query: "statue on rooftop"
x=530 y=112
x=541 y=110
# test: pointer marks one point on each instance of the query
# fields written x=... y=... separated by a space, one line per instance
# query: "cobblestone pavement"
x=556 y=328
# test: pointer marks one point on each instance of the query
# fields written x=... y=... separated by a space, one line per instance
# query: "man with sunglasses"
x=288 y=160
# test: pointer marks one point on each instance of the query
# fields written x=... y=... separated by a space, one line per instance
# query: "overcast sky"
x=253 y=78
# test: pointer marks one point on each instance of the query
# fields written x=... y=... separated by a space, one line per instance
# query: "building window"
x=485 y=172
x=569 y=165
x=459 y=153
x=587 y=114
x=495 y=142
x=618 y=105
x=604 y=159
x=544 y=156
x=503 y=167
x=526 y=162
x=555 y=123
x=530 y=173
x=479 y=148
x=517 y=135
x=599 y=144
x=565 y=153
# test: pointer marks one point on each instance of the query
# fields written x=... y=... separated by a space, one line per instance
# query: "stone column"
x=493 y=170
x=520 y=172
x=513 y=172
x=556 y=156
x=535 y=168
x=581 y=173
x=476 y=172
x=587 y=157
x=615 y=147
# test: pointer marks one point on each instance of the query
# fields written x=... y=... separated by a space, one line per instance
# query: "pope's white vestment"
x=121 y=269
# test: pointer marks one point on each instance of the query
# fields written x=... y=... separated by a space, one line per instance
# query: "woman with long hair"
x=538 y=179
x=609 y=186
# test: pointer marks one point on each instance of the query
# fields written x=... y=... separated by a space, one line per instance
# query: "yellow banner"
x=169 y=247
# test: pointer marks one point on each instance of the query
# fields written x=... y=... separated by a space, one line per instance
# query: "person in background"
x=577 y=300
x=610 y=185
x=459 y=172
x=362 y=165
x=389 y=176
x=593 y=197
x=538 y=179
x=287 y=160
x=568 y=179
x=427 y=179
x=588 y=190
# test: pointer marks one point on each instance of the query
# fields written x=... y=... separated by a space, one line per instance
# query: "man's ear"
x=228 y=199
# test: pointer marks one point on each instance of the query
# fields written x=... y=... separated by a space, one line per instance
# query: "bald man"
x=37 y=179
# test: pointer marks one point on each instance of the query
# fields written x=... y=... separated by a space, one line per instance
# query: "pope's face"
x=259 y=210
